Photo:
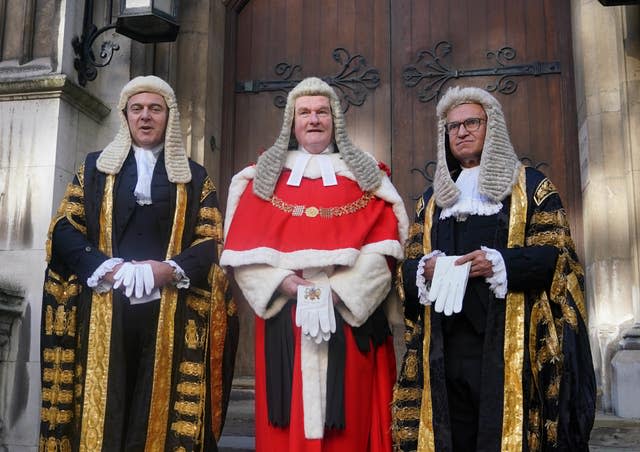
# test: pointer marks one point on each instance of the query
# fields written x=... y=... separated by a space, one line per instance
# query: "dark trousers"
x=463 y=365
x=139 y=330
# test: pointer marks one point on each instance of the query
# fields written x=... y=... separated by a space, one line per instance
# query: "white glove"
x=449 y=284
x=314 y=312
x=144 y=280
x=136 y=280
x=125 y=277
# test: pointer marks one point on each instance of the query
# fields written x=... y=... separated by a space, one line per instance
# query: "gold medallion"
x=312 y=212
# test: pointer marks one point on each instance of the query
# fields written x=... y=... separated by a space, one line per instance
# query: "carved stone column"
x=607 y=57
x=11 y=307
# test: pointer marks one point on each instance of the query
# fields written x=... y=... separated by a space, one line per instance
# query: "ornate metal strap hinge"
x=352 y=83
x=429 y=65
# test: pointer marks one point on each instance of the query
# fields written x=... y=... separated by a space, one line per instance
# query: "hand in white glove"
x=449 y=284
x=312 y=312
x=125 y=277
x=144 y=280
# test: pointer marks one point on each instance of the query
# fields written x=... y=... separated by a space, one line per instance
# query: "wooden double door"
x=390 y=61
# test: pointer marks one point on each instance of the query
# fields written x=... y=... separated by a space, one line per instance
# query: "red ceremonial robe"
x=355 y=234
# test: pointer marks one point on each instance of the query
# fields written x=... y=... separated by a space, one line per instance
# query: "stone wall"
x=607 y=62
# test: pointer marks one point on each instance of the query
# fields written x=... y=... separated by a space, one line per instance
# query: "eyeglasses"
x=470 y=124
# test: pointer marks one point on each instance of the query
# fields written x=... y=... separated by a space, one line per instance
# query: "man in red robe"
x=312 y=232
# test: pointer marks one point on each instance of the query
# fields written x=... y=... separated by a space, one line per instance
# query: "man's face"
x=313 y=123
x=147 y=115
x=466 y=145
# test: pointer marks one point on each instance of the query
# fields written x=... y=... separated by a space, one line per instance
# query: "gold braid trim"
x=543 y=191
x=99 y=341
x=426 y=439
x=162 y=375
x=513 y=399
x=218 y=328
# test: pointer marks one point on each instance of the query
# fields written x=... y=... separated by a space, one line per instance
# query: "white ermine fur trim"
x=237 y=187
x=258 y=284
x=314 y=359
x=361 y=288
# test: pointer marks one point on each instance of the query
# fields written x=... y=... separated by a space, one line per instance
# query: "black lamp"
x=142 y=20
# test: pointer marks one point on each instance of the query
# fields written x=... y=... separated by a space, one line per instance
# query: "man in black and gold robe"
x=510 y=369
x=139 y=330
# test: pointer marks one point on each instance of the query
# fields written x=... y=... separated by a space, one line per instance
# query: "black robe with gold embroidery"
x=188 y=377
x=537 y=386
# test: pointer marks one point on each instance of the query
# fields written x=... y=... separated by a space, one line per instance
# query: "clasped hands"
x=140 y=278
x=449 y=275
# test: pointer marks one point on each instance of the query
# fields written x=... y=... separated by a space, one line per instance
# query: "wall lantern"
x=144 y=21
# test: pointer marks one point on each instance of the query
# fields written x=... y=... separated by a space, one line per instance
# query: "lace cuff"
x=180 y=279
x=421 y=283
x=498 y=282
x=96 y=282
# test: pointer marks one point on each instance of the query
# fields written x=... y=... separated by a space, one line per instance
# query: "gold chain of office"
x=324 y=212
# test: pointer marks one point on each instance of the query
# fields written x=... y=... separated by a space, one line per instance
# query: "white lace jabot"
x=470 y=202
x=145 y=162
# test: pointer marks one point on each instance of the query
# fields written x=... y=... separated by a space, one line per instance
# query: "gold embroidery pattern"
x=413 y=250
x=405 y=394
x=185 y=428
x=513 y=399
x=58 y=355
x=324 y=212
x=194 y=337
x=208 y=231
x=189 y=389
x=61 y=290
x=207 y=188
x=543 y=191
x=198 y=305
x=404 y=434
x=80 y=175
x=53 y=444
x=210 y=214
x=193 y=369
x=99 y=341
x=411 y=365
x=55 y=396
x=57 y=376
x=415 y=229
x=187 y=408
x=407 y=413
x=54 y=416
x=419 y=206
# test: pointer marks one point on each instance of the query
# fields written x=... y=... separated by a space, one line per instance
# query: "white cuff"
x=421 y=283
x=498 y=282
x=183 y=282
x=96 y=282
